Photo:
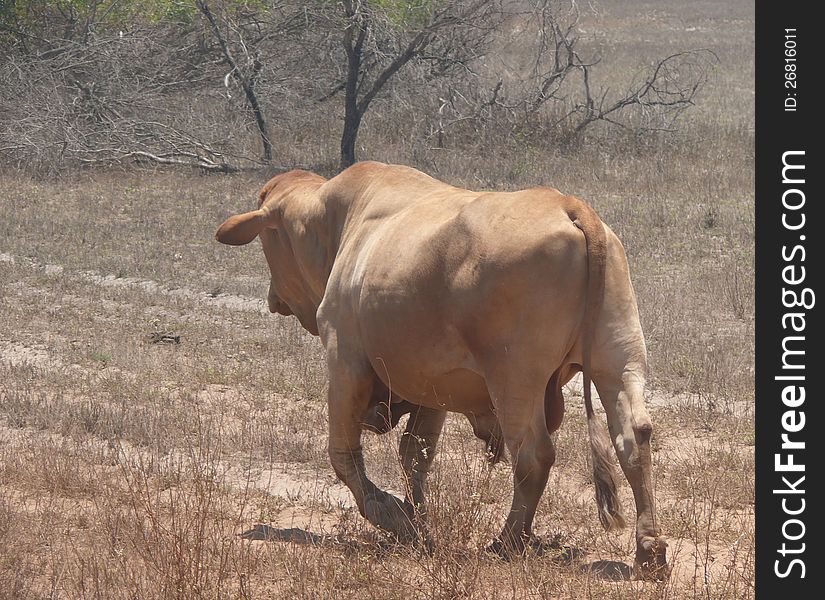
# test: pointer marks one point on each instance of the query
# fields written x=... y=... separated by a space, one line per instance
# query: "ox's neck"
x=318 y=226
x=313 y=237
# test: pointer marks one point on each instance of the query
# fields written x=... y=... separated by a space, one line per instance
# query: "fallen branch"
x=198 y=163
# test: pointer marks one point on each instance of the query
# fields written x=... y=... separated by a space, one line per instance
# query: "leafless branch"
x=186 y=159
x=668 y=89
x=245 y=79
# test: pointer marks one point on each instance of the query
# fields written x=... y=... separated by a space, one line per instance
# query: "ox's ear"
x=241 y=229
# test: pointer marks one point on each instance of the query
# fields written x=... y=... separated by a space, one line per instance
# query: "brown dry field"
x=133 y=469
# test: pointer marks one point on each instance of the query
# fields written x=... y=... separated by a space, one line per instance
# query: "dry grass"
x=128 y=468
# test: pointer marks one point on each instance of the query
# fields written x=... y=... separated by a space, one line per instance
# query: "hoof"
x=497 y=549
x=507 y=550
x=395 y=516
x=425 y=543
x=651 y=559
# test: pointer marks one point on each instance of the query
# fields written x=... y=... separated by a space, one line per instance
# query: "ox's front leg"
x=350 y=389
x=631 y=430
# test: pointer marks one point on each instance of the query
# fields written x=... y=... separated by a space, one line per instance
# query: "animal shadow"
x=610 y=570
x=555 y=551
x=296 y=535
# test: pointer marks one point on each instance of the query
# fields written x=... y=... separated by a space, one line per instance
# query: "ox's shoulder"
x=364 y=168
x=385 y=173
x=386 y=188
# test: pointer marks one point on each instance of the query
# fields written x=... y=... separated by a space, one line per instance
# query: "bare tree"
x=139 y=95
x=244 y=75
x=88 y=87
x=558 y=87
x=662 y=94
x=379 y=40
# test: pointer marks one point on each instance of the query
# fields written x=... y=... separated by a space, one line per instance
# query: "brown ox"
x=430 y=298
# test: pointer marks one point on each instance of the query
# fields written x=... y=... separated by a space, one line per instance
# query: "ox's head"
x=286 y=223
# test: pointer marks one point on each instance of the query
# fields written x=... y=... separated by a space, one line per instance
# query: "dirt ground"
x=120 y=452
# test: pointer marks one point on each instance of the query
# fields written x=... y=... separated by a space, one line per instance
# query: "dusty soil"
x=76 y=359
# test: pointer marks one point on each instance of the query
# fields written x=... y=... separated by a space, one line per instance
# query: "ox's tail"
x=604 y=474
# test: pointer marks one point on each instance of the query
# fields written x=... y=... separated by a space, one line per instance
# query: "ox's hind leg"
x=631 y=430
x=519 y=402
x=417 y=451
x=350 y=389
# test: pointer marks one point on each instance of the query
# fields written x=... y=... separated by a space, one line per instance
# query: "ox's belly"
x=421 y=357
x=458 y=390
